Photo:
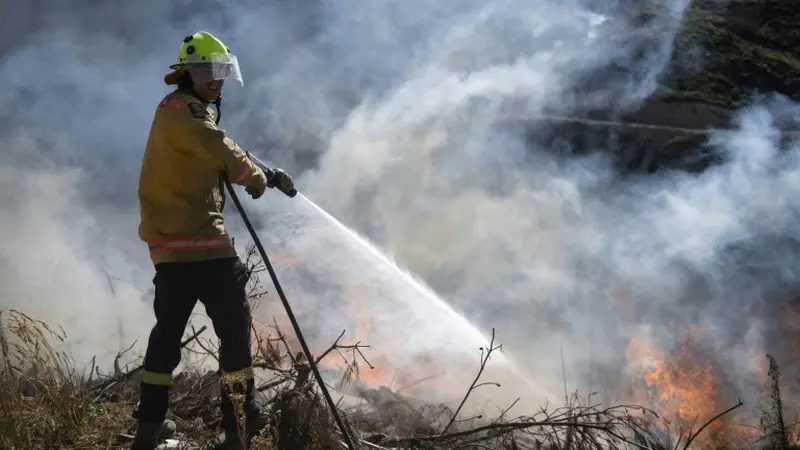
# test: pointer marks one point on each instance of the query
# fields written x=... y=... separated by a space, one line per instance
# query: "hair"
x=186 y=82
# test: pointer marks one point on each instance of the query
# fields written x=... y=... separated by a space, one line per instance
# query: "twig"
x=680 y=438
x=103 y=387
x=710 y=421
x=484 y=359
x=778 y=432
x=505 y=411
x=421 y=380
x=273 y=383
x=499 y=427
x=283 y=339
x=352 y=370
x=368 y=444
x=205 y=349
x=564 y=376
x=689 y=432
x=355 y=348
x=303 y=369
x=117 y=370
x=333 y=347
x=615 y=435
x=468 y=419
x=91 y=371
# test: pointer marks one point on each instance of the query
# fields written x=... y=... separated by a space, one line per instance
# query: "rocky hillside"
x=746 y=47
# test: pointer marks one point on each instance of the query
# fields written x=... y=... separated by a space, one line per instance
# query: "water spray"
x=421 y=287
x=426 y=291
x=291 y=193
x=402 y=274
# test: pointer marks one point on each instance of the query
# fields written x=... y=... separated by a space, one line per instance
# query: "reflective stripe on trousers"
x=165 y=379
x=156 y=378
x=239 y=376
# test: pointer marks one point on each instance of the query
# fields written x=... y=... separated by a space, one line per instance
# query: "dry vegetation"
x=46 y=404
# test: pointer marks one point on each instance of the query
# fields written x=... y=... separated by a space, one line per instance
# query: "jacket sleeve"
x=195 y=129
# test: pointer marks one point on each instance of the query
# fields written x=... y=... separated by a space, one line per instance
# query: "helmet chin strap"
x=218 y=106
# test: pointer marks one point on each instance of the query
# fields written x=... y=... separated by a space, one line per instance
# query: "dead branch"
x=117 y=369
x=420 y=381
x=352 y=363
x=91 y=371
x=505 y=411
x=777 y=433
x=208 y=351
x=496 y=427
x=615 y=422
x=282 y=338
x=303 y=369
x=268 y=356
x=485 y=355
x=105 y=386
x=275 y=382
x=710 y=421
x=352 y=370
x=333 y=347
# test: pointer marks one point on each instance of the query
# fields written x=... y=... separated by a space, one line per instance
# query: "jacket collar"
x=191 y=93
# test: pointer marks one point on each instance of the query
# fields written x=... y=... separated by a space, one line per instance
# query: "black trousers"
x=220 y=285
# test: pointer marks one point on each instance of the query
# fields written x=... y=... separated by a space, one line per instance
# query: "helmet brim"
x=175 y=76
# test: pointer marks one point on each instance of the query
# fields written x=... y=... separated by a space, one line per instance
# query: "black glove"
x=255 y=191
x=258 y=186
x=280 y=180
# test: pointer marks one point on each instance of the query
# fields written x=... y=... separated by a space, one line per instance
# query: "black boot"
x=150 y=415
x=149 y=433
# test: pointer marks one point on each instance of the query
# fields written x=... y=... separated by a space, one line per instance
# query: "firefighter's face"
x=206 y=85
x=209 y=90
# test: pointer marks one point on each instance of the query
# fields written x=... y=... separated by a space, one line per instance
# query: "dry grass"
x=46 y=404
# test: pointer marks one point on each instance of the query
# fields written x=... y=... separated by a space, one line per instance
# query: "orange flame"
x=681 y=386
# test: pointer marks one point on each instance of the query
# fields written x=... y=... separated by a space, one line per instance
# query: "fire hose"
x=290 y=193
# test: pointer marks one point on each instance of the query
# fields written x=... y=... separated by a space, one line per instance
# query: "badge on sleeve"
x=198 y=111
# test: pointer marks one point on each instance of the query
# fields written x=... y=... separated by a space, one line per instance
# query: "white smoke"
x=401 y=112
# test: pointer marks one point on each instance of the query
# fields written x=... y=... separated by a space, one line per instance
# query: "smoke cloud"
x=393 y=118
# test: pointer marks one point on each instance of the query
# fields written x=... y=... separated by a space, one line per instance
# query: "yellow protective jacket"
x=181 y=194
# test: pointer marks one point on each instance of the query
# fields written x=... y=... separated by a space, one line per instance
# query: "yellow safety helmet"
x=206 y=58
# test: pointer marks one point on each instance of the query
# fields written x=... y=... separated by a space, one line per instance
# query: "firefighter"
x=181 y=199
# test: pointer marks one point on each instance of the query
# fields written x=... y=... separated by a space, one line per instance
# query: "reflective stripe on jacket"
x=181 y=195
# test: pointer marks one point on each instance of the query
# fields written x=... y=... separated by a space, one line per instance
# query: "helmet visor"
x=218 y=66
